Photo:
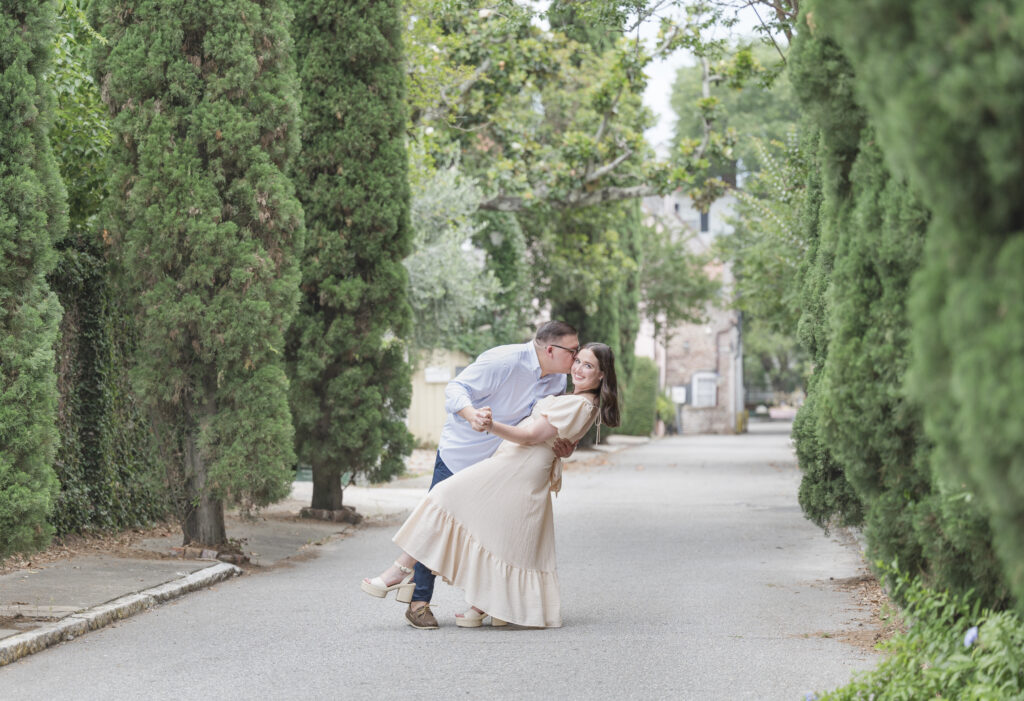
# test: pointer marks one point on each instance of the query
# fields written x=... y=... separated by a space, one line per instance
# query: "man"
x=502 y=384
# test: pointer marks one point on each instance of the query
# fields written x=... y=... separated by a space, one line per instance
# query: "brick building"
x=701 y=364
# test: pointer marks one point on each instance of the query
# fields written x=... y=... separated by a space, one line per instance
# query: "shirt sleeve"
x=570 y=415
x=475 y=384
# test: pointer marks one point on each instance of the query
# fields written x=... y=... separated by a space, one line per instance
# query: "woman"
x=489 y=529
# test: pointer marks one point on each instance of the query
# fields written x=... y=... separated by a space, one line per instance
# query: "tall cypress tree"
x=350 y=380
x=208 y=230
x=32 y=217
x=820 y=77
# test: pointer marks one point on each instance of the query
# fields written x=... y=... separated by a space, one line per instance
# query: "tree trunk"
x=204 y=522
x=327 y=491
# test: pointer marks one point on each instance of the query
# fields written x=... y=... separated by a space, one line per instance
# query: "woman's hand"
x=479 y=419
x=564 y=448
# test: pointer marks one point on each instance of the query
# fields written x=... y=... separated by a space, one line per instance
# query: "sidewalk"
x=59 y=601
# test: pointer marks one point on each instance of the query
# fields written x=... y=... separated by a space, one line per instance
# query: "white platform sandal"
x=475 y=619
x=403 y=589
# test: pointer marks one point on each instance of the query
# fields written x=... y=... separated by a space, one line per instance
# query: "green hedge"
x=640 y=400
x=860 y=438
x=109 y=475
x=949 y=121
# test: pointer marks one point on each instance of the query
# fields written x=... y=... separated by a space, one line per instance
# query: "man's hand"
x=564 y=448
x=479 y=419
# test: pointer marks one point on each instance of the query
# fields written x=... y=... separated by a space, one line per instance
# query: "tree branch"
x=608 y=167
x=705 y=122
x=607 y=116
x=436 y=112
x=576 y=200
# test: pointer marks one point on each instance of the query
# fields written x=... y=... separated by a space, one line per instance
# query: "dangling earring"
x=598 y=441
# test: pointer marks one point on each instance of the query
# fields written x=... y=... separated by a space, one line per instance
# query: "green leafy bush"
x=948 y=121
x=640 y=403
x=860 y=436
x=952 y=648
x=666 y=409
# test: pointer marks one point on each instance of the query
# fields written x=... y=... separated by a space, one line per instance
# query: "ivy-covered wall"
x=109 y=475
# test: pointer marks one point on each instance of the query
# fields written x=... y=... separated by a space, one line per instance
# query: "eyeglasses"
x=571 y=351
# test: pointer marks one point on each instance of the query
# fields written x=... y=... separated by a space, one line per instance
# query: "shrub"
x=109 y=475
x=952 y=648
x=640 y=403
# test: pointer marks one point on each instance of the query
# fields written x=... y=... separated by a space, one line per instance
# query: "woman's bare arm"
x=537 y=431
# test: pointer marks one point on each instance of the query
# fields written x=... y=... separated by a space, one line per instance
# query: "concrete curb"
x=32 y=641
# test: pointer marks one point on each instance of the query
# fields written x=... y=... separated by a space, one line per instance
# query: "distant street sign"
x=436 y=374
x=678 y=394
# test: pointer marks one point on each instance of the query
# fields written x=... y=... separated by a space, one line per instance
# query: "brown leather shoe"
x=421 y=618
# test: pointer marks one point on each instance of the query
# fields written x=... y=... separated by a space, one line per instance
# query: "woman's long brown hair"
x=609 y=394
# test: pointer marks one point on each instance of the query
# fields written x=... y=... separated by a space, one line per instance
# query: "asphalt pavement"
x=687 y=571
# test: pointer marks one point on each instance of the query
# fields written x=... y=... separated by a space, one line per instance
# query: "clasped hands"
x=481 y=419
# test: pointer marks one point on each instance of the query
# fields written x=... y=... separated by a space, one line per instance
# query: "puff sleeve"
x=570 y=414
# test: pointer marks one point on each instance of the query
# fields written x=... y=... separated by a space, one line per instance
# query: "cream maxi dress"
x=489 y=529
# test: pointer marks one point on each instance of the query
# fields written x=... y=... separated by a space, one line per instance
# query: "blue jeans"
x=421 y=575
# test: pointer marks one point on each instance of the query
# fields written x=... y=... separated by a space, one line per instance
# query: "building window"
x=705 y=222
x=705 y=389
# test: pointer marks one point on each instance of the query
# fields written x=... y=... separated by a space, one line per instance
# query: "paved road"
x=687 y=570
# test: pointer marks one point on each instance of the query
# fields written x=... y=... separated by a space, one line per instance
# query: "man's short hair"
x=551 y=331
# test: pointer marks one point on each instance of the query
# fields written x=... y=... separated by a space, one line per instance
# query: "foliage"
x=350 y=380
x=825 y=495
x=666 y=409
x=205 y=223
x=109 y=477
x=501 y=239
x=33 y=218
x=872 y=428
x=676 y=284
x=766 y=246
x=536 y=114
x=952 y=648
x=640 y=400
x=760 y=110
x=549 y=122
x=947 y=121
x=822 y=79
x=860 y=439
x=579 y=266
x=772 y=360
x=449 y=286
x=81 y=127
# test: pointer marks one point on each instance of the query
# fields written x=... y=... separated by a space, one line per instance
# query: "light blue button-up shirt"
x=507 y=379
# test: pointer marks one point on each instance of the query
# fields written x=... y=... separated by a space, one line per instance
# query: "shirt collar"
x=534 y=361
